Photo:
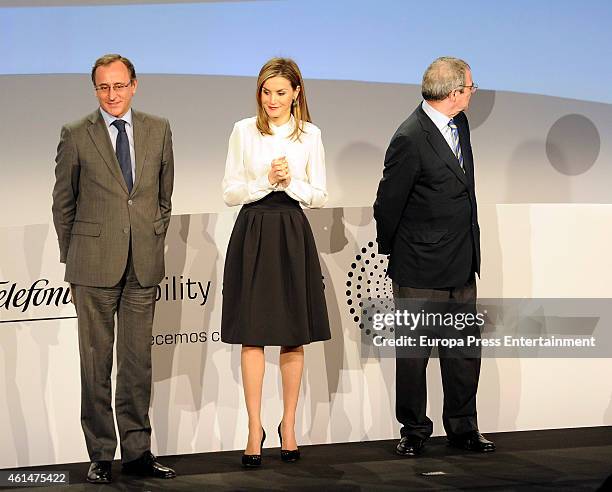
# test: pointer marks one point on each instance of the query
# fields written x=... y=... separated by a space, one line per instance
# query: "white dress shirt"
x=250 y=155
x=113 y=132
x=441 y=122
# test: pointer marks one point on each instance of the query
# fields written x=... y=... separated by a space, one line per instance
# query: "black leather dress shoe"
x=410 y=446
x=472 y=441
x=99 y=472
x=148 y=466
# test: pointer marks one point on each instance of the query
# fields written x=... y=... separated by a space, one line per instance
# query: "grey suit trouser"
x=96 y=307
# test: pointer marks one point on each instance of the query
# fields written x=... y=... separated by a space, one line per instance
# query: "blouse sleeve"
x=237 y=188
x=313 y=192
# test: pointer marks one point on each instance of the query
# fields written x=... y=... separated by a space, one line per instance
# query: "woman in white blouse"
x=272 y=285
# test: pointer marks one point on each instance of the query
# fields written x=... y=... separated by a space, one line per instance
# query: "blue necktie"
x=122 y=150
x=456 y=144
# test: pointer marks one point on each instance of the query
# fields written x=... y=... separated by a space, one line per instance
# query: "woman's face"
x=277 y=96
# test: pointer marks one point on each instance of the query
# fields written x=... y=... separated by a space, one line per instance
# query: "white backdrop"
x=543 y=186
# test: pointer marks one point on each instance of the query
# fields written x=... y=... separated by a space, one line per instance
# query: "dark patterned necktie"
x=456 y=144
x=122 y=150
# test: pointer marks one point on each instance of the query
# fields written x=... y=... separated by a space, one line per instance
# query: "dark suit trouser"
x=459 y=374
x=96 y=308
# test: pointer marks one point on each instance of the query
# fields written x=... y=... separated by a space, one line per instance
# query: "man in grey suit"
x=111 y=209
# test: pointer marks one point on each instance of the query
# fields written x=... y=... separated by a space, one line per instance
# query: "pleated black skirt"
x=272 y=283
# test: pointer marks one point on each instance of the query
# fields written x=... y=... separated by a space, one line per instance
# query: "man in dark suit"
x=426 y=220
x=111 y=209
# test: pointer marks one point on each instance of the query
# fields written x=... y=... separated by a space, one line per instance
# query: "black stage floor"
x=562 y=459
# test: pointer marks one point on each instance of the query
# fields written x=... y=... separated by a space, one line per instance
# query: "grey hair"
x=444 y=75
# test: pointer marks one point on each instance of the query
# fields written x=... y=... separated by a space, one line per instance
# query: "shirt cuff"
x=261 y=184
x=300 y=191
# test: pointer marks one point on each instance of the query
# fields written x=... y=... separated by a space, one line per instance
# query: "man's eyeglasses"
x=105 y=88
x=472 y=87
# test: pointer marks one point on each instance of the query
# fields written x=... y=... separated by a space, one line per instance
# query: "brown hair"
x=111 y=58
x=288 y=69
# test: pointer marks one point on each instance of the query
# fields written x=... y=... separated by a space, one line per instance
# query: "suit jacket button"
x=126 y=230
x=130 y=202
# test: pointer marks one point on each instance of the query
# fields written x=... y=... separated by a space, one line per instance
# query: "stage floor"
x=561 y=459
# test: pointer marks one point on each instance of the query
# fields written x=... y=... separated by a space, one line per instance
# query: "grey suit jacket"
x=94 y=215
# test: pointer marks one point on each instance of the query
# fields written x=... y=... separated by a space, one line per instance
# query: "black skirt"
x=272 y=283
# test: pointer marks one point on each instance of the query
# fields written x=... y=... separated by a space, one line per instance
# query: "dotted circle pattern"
x=367 y=284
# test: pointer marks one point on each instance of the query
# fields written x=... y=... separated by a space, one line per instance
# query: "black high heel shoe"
x=286 y=455
x=254 y=460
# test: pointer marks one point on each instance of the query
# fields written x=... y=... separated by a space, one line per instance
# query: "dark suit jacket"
x=93 y=213
x=425 y=208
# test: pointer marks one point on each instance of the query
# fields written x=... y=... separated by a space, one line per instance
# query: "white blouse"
x=250 y=156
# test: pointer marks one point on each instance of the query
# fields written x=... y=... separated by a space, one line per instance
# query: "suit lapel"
x=101 y=139
x=141 y=134
x=440 y=146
